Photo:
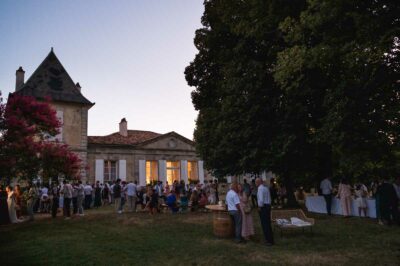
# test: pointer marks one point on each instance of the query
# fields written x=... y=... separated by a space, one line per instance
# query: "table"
x=317 y=204
x=222 y=222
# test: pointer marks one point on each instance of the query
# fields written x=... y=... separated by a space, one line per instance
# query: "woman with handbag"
x=247 y=218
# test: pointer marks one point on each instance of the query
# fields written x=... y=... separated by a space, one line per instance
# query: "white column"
x=122 y=170
x=184 y=171
x=99 y=170
x=162 y=171
x=201 y=171
x=142 y=173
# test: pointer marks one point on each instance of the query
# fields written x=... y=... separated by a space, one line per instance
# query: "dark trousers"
x=54 y=207
x=88 y=201
x=237 y=219
x=75 y=205
x=265 y=218
x=328 y=200
x=254 y=201
x=67 y=207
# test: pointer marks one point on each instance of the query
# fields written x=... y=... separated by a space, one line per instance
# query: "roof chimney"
x=20 y=76
x=78 y=86
x=123 y=127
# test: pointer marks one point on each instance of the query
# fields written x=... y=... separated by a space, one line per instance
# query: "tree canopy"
x=302 y=88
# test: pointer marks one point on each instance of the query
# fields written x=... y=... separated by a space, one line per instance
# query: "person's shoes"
x=67 y=218
x=268 y=244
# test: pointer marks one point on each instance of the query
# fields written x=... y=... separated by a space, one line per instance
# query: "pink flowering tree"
x=26 y=127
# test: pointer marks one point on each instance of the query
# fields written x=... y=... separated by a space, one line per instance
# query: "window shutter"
x=201 y=172
x=184 y=171
x=162 y=168
x=99 y=174
x=122 y=170
x=142 y=172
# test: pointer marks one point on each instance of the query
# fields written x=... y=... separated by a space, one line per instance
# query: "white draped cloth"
x=317 y=204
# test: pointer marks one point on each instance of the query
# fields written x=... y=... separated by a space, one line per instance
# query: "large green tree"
x=302 y=88
x=344 y=56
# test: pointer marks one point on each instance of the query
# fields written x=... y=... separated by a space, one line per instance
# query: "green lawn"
x=105 y=238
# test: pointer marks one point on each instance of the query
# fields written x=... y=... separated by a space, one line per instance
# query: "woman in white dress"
x=361 y=193
x=11 y=205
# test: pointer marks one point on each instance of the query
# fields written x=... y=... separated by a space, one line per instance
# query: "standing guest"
x=112 y=191
x=216 y=190
x=44 y=199
x=194 y=199
x=246 y=188
x=123 y=194
x=67 y=189
x=117 y=190
x=344 y=194
x=140 y=197
x=264 y=210
x=233 y=203
x=396 y=186
x=247 y=218
x=361 y=193
x=55 y=192
x=326 y=190
x=105 y=194
x=97 y=195
x=32 y=196
x=4 y=215
x=375 y=187
x=152 y=200
x=88 y=195
x=131 y=191
x=388 y=201
x=18 y=201
x=74 y=198
x=253 y=189
x=11 y=205
x=81 y=196
x=184 y=202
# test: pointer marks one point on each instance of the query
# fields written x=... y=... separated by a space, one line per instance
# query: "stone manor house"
x=144 y=156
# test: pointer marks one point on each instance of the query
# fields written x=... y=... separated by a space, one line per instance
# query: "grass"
x=105 y=238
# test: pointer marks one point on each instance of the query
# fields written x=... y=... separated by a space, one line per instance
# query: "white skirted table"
x=317 y=204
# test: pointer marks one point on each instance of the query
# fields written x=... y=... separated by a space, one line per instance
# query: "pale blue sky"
x=128 y=56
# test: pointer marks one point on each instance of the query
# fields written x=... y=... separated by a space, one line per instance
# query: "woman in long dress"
x=11 y=205
x=344 y=194
x=247 y=219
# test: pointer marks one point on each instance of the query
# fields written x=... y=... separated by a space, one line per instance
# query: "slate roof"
x=134 y=137
x=51 y=79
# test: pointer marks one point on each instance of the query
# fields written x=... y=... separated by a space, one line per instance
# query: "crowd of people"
x=385 y=193
x=72 y=198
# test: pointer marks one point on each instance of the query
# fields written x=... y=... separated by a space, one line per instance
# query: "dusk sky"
x=128 y=56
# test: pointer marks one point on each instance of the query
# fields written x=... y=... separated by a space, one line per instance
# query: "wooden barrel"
x=223 y=226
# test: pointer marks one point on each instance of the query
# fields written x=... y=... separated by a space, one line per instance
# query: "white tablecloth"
x=317 y=204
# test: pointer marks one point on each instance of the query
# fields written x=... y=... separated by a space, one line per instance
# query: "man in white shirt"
x=88 y=195
x=326 y=189
x=132 y=196
x=67 y=189
x=264 y=210
x=233 y=203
